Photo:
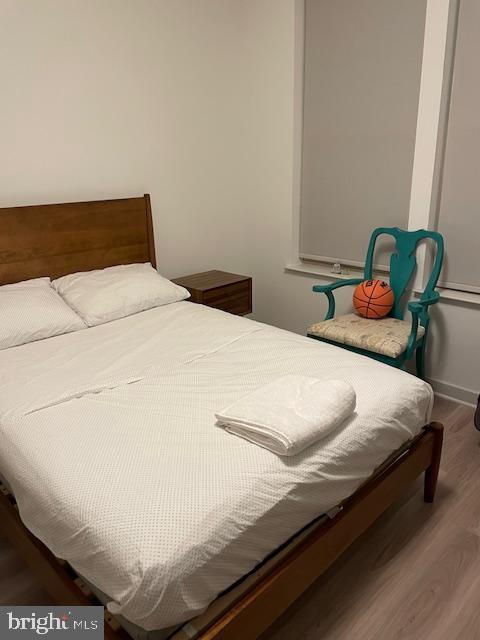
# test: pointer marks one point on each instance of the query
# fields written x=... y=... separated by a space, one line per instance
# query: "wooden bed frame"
x=53 y=240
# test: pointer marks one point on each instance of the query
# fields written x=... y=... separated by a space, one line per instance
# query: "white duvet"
x=108 y=439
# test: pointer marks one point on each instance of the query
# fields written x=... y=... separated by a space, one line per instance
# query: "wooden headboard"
x=56 y=239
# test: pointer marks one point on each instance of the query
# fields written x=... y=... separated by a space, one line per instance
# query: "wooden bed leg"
x=431 y=473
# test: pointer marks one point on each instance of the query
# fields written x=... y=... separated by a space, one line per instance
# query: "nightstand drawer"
x=234 y=298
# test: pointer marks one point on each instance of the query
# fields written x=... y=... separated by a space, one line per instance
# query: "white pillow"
x=115 y=292
x=32 y=310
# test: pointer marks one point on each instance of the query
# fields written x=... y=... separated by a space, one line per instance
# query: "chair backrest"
x=403 y=261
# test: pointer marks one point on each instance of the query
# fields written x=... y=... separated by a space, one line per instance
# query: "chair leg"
x=420 y=360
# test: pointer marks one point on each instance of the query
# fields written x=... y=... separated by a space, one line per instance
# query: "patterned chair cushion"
x=388 y=336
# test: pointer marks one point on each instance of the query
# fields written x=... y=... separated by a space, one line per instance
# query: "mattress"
x=108 y=439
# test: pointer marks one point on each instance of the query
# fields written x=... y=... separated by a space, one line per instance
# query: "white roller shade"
x=362 y=77
x=459 y=211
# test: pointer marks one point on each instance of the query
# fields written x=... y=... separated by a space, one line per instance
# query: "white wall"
x=107 y=98
x=190 y=100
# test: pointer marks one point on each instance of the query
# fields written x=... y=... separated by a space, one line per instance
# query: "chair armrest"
x=327 y=290
x=419 y=305
x=323 y=288
x=416 y=308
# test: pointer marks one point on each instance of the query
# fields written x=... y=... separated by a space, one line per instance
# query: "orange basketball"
x=373 y=299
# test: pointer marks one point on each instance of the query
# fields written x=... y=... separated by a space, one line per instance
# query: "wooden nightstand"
x=221 y=290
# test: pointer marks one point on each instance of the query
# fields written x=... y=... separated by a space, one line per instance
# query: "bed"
x=112 y=461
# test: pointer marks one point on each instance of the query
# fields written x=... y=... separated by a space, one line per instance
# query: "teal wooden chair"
x=393 y=339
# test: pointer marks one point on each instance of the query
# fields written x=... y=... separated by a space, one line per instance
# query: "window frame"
x=432 y=117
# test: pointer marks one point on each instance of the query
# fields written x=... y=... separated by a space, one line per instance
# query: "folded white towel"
x=289 y=414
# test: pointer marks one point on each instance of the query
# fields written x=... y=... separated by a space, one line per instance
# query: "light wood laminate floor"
x=414 y=575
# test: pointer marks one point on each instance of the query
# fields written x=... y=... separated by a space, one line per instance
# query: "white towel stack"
x=290 y=414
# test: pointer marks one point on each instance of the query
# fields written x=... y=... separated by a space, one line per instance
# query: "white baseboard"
x=454 y=392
